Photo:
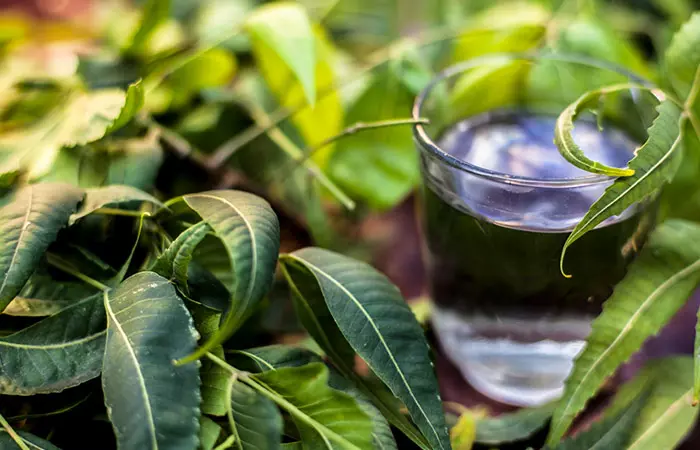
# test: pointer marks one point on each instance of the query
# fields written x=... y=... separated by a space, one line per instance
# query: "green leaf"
x=31 y=441
x=377 y=323
x=82 y=118
x=174 y=262
x=154 y=13
x=326 y=418
x=113 y=196
x=44 y=296
x=683 y=56
x=209 y=432
x=668 y=415
x=565 y=141
x=132 y=105
x=657 y=284
x=315 y=316
x=152 y=403
x=512 y=427
x=284 y=29
x=463 y=434
x=248 y=228
x=58 y=352
x=611 y=433
x=654 y=164
x=215 y=379
x=274 y=357
x=210 y=68
x=379 y=167
x=255 y=419
x=29 y=223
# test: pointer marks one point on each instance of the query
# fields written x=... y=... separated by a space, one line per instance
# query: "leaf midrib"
x=628 y=326
x=142 y=381
x=381 y=339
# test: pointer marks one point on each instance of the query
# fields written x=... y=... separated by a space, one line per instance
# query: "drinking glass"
x=497 y=204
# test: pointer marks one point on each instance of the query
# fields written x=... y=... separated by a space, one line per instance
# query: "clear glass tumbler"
x=497 y=204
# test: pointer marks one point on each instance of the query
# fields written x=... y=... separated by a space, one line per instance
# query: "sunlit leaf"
x=58 y=352
x=283 y=29
x=377 y=323
x=152 y=403
x=212 y=68
x=657 y=284
x=654 y=164
x=153 y=14
x=668 y=414
x=28 y=225
x=682 y=56
x=325 y=417
x=463 y=434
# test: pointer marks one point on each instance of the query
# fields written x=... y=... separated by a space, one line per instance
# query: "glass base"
x=500 y=359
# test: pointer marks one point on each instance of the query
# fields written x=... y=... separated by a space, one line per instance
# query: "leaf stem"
x=291 y=149
x=121 y=212
x=13 y=434
x=63 y=265
x=352 y=129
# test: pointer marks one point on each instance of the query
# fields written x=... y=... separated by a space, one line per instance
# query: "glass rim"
x=426 y=142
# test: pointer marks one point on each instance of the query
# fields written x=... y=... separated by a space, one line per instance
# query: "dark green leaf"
x=668 y=414
x=283 y=29
x=58 y=352
x=326 y=418
x=657 y=284
x=380 y=327
x=174 y=262
x=512 y=427
x=42 y=295
x=255 y=419
x=113 y=196
x=611 y=433
x=683 y=56
x=28 y=225
x=31 y=441
x=654 y=164
x=248 y=228
x=151 y=402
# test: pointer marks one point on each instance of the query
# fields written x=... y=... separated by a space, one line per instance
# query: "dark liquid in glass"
x=501 y=304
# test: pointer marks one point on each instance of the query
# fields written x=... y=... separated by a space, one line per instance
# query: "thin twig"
x=352 y=129
x=13 y=434
x=63 y=265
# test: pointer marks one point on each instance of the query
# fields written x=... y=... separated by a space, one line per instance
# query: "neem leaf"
x=657 y=284
x=249 y=230
x=42 y=295
x=154 y=13
x=152 y=403
x=174 y=262
x=668 y=414
x=132 y=105
x=115 y=195
x=284 y=29
x=326 y=418
x=611 y=433
x=255 y=420
x=209 y=432
x=683 y=56
x=31 y=441
x=378 y=324
x=653 y=166
x=565 y=141
x=29 y=223
x=512 y=427
x=215 y=379
x=60 y=351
